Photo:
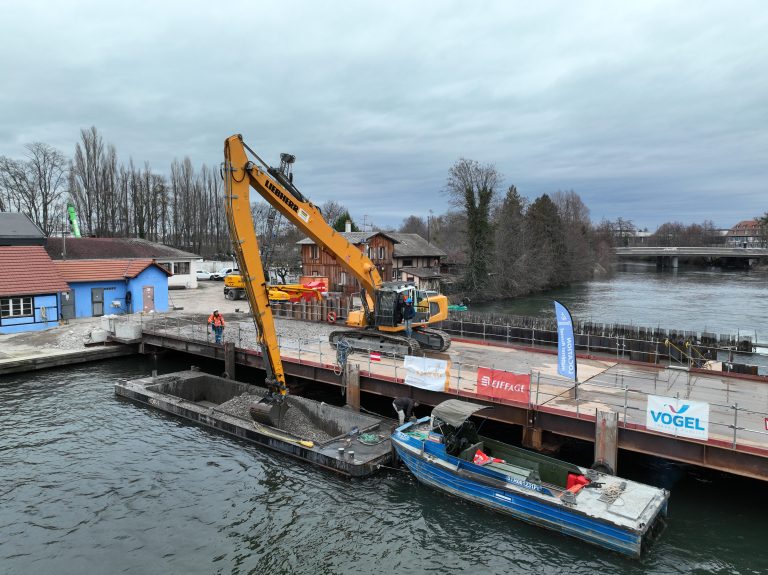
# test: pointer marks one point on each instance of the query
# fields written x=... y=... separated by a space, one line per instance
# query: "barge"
x=444 y=451
x=335 y=438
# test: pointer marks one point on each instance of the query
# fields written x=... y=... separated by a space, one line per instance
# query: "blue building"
x=112 y=286
x=29 y=289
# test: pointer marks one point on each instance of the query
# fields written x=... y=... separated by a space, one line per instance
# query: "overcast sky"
x=651 y=111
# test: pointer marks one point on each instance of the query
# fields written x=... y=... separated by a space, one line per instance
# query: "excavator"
x=234 y=289
x=378 y=324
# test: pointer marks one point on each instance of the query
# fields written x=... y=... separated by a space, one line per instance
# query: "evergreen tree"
x=340 y=222
x=545 y=240
x=510 y=278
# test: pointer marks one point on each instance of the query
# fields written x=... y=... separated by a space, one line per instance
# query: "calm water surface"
x=715 y=300
x=92 y=484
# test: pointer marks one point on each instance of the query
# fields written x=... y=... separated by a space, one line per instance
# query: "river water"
x=93 y=484
x=714 y=300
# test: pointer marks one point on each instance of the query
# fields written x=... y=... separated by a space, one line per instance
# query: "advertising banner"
x=680 y=417
x=426 y=373
x=566 y=345
x=504 y=385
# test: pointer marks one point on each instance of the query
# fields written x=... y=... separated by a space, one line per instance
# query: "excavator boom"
x=246 y=247
x=381 y=301
x=286 y=199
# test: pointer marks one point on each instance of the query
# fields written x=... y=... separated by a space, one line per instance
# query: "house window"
x=16 y=307
x=394 y=274
x=315 y=274
x=407 y=263
x=167 y=266
x=369 y=252
x=314 y=252
x=343 y=278
x=181 y=268
x=382 y=253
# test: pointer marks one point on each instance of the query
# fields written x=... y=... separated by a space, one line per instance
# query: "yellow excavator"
x=378 y=326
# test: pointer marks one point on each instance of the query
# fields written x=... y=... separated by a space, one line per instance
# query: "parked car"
x=203 y=275
x=219 y=275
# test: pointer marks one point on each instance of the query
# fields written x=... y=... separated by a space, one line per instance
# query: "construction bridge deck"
x=738 y=417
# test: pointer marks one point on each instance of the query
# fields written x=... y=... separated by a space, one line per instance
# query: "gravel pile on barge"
x=295 y=421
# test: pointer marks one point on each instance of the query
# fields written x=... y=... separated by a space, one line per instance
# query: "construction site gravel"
x=294 y=421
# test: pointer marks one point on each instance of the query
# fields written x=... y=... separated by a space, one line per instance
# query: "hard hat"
x=215 y=311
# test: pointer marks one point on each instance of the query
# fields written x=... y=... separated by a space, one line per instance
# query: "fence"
x=636 y=343
x=625 y=391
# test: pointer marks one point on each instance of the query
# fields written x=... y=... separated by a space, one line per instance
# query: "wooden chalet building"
x=315 y=261
x=407 y=257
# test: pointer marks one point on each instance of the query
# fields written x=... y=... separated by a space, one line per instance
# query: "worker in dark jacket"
x=404 y=408
x=408 y=314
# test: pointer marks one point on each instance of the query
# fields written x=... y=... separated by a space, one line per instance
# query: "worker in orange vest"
x=216 y=321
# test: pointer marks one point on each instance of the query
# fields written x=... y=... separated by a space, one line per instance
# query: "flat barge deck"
x=338 y=439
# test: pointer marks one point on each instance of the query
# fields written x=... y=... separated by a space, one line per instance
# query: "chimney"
x=348 y=226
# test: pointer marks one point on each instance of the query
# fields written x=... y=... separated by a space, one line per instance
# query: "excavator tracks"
x=433 y=335
x=367 y=340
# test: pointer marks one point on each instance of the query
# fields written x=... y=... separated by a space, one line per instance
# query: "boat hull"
x=520 y=503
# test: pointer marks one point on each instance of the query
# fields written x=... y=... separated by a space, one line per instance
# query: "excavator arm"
x=246 y=247
x=276 y=187
x=281 y=194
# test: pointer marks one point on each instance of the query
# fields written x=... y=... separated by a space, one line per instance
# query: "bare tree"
x=331 y=211
x=14 y=184
x=85 y=179
x=577 y=229
x=35 y=185
x=47 y=168
x=414 y=225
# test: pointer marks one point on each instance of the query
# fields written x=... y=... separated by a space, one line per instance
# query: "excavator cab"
x=389 y=302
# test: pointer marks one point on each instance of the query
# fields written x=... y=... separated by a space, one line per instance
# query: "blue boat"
x=444 y=451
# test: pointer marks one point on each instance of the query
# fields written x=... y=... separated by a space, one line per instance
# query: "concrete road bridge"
x=670 y=256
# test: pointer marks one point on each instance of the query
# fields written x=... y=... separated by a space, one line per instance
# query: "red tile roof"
x=745 y=228
x=27 y=270
x=102 y=270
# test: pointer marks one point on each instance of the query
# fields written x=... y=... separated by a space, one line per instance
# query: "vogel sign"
x=680 y=417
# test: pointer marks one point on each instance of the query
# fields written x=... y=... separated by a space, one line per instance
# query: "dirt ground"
x=207 y=297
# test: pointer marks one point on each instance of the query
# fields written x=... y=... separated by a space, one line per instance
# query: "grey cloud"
x=652 y=111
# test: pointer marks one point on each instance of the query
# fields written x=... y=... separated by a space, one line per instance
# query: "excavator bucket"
x=268 y=412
